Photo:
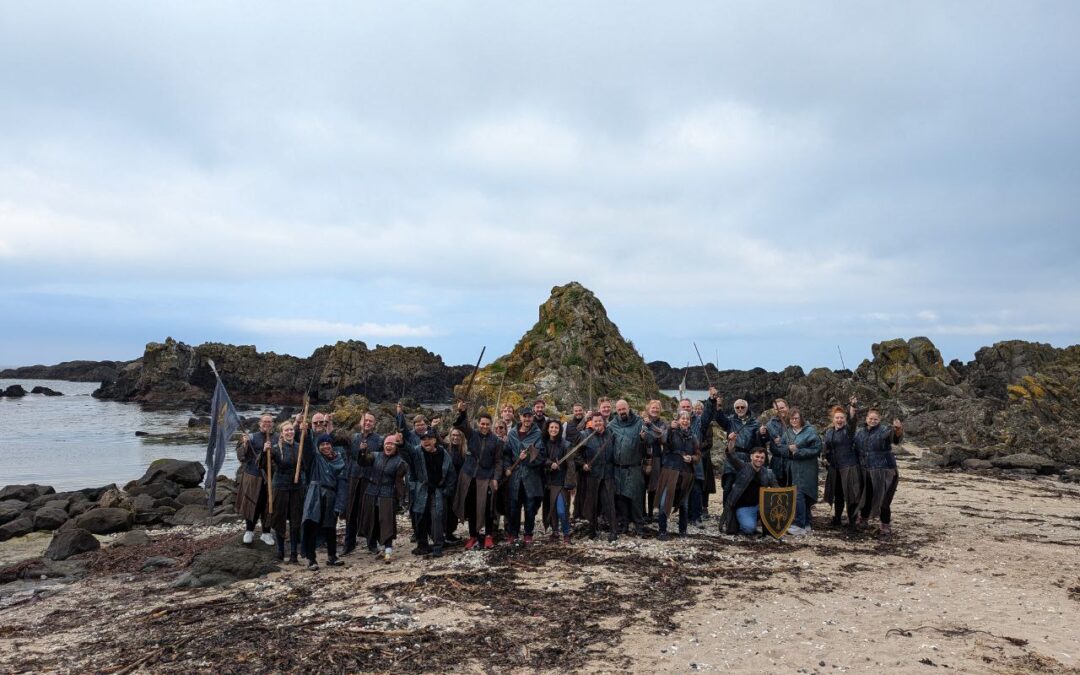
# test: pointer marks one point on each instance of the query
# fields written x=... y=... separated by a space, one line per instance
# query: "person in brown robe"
x=681 y=451
x=252 y=492
x=478 y=481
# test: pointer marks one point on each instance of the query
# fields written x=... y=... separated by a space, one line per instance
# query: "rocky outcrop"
x=45 y=391
x=1014 y=400
x=14 y=391
x=72 y=371
x=572 y=348
x=172 y=372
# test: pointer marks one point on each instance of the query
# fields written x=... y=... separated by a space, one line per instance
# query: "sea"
x=77 y=441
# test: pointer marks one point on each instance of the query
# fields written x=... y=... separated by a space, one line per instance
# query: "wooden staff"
x=303 y=434
x=498 y=399
x=269 y=477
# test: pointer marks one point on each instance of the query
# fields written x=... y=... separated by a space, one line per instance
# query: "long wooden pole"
x=269 y=476
x=702 y=361
x=303 y=435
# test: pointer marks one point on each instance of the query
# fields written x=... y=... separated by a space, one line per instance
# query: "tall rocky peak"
x=572 y=343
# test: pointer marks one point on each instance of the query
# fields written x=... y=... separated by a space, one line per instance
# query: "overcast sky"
x=769 y=179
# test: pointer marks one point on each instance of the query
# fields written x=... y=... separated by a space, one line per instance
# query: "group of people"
x=614 y=468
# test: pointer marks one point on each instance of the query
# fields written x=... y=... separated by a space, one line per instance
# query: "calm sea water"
x=75 y=441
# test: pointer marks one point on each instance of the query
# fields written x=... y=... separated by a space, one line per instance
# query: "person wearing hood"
x=628 y=459
x=522 y=477
x=681 y=451
x=324 y=503
x=384 y=492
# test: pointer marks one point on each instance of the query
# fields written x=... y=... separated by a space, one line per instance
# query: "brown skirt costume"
x=849 y=480
x=676 y=483
x=387 y=520
x=883 y=484
x=462 y=493
x=248 y=490
x=288 y=506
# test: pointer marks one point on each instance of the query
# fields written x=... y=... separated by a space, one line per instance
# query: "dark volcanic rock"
x=11 y=509
x=45 y=391
x=16 y=528
x=72 y=371
x=132 y=538
x=173 y=372
x=192 y=514
x=25 y=493
x=106 y=520
x=69 y=542
x=49 y=518
x=187 y=474
x=227 y=564
x=14 y=391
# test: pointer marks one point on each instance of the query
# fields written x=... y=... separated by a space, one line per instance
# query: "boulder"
x=1025 y=460
x=106 y=520
x=25 y=493
x=69 y=542
x=14 y=391
x=192 y=514
x=142 y=503
x=45 y=391
x=10 y=510
x=111 y=499
x=79 y=508
x=975 y=464
x=181 y=472
x=49 y=518
x=94 y=494
x=132 y=538
x=193 y=496
x=227 y=564
x=16 y=528
x=163 y=490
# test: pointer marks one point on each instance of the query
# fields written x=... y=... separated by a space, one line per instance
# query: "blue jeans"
x=518 y=501
x=802 y=509
x=683 y=509
x=564 y=516
x=747 y=517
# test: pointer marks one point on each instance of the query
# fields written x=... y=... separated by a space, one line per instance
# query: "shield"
x=777 y=509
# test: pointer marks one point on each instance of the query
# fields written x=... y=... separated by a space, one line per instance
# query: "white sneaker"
x=249 y=537
x=796 y=531
x=387 y=553
x=267 y=538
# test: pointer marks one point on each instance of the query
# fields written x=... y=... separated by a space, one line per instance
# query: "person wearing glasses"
x=741 y=428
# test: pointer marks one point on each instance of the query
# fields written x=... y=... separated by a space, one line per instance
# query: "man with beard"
x=772 y=434
x=539 y=419
x=524 y=486
x=601 y=472
x=874 y=446
x=363 y=442
x=627 y=458
x=479 y=478
x=431 y=485
x=574 y=427
x=655 y=429
x=252 y=496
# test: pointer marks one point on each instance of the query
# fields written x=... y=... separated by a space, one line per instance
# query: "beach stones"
x=69 y=542
x=132 y=538
x=1025 y=460
x=25 y=493
x=49 y=518
x=106 y=520
x=10 y=510
x=181 y=472
x=192 y=514
x=17 y=528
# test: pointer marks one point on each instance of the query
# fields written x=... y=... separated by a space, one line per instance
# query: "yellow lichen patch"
x=1018 y=392
x=1032 y=385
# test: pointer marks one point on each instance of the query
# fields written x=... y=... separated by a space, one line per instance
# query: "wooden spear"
x=303 y=434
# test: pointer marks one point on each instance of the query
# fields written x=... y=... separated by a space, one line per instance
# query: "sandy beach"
x=981 y=575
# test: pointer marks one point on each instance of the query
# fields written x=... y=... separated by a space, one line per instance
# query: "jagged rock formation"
x=573 y=342
x=173 y=372
x=72 y=371
x=1014 y=397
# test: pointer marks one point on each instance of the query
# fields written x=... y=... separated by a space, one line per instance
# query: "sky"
x=773 y=181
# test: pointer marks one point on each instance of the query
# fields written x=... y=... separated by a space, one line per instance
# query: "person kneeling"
x=741 y=503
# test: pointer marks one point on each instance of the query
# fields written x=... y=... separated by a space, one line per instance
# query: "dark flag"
x=223 y=424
